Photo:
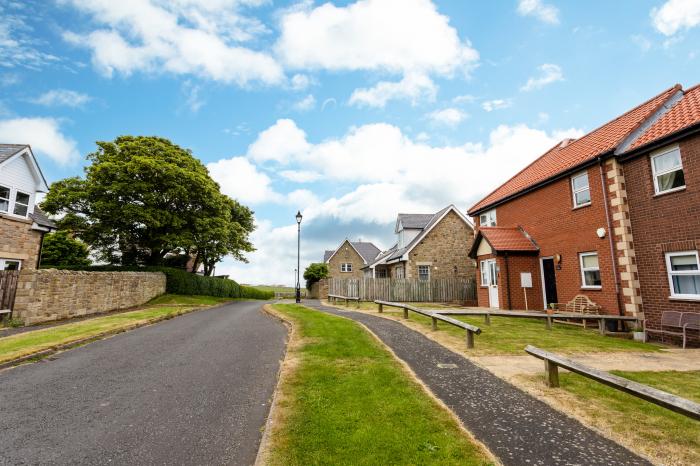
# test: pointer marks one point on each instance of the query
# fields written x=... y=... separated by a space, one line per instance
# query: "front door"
x=549 y=280
x=493 y=282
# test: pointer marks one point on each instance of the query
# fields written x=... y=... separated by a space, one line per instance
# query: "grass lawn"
x=346 y=400
x=22 y=344
x=671 y=438
x=510 y=335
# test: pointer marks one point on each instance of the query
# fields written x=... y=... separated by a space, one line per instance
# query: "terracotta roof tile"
x=563 y=157
x=508 y=239
x=684 y=114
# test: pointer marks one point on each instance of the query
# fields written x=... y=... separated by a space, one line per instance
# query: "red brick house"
x=614 y=215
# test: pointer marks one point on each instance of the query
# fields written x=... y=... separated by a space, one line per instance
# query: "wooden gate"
x=8 y=287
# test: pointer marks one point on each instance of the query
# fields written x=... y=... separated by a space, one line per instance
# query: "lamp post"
x=298 y=289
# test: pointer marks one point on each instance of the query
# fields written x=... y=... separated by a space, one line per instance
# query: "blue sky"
x=349 y=111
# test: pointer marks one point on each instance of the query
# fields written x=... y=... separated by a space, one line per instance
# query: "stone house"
x=350 y=258
x=614 y=215
x=428 y=246
x=22 y=224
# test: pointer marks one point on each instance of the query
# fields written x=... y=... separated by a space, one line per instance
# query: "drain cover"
x=447 y=366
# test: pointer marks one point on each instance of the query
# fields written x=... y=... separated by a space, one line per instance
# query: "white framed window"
x=667 y=168
x=21 y=207
x=683 y=274
x=590 y=270
x=581 y=190
x=10 y=264
x=4 y=199
x=399 y=272
x=484 y=271
x=488 y=218
x=346 y=267
x=424 y=272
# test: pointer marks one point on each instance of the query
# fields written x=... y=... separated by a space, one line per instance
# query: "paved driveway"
x=191 y=390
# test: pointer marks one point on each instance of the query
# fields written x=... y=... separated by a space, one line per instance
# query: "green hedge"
x=181 y=282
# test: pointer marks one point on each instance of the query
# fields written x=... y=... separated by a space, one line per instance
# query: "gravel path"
x=517 y=428
x=191 y=390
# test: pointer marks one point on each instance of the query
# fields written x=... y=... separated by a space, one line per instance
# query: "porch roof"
x=502 y=239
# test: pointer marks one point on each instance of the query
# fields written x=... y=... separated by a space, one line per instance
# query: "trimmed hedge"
x=181 y=282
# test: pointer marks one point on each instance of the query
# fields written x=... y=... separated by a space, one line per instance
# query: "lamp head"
x=298 y=217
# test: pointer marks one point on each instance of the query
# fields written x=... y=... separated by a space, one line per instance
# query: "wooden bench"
x=680 y=321
x=335 y=297
x=581 y=304
x=675 y=403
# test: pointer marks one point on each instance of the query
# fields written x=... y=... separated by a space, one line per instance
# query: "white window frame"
x=581 y=255
x=427 y=267
x=400 y=272
x=16 y=202
x=490 y=216
x=3 y=262
x=8 y=199
x=575 y=191
x=671 y=273
x=656 y=174
x=484 y=273
x=346 y=267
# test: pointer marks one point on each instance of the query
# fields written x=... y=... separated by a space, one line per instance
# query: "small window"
x=346 y=267
x=581 y=190
x=380 y=273
x=21 y=204
x=684 y=274
x=399 y=272
x=590 y=270
x=424 y=272
x=488 y=219
x=668 y=171
x=10 y=264
x=4 y=199
x=484 y=270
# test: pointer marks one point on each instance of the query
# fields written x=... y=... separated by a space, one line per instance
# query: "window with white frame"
x=581 y=190
x=10 y=264
x=346 y=267
x=4 y=199
x=488 y=218
x=399 y=272
x=424 y=272
x=590 y=270
x=484 y=270
x=667 y=168
x=21 y=204
x=683 y=274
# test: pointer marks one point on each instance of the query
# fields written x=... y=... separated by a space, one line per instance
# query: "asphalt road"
x=191 y=390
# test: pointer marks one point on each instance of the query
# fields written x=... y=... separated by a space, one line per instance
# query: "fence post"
x=405 y=313
x=381 y=307
x=470 y=339
x=487 y=319
x=552 y=373
x=549 y=322
x=434 y=323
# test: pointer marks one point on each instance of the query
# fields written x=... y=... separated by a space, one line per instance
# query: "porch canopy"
x=502 y=239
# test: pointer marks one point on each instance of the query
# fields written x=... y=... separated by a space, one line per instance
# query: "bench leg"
x=434 y=323
x=487 y=319
x=470 y=339
x=549 y=323
x=552 y=371
x=381 y=308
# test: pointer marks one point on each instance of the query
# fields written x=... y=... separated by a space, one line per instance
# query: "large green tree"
x=144 y=197
x=59 y=249
x=315 y=272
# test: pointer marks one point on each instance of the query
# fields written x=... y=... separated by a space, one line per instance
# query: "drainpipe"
x=41 y=249
x=620 y=307
x=510 y=307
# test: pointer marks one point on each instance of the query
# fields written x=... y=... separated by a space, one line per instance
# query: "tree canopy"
x=60 y=249
x=143 y=198
x=315 y=272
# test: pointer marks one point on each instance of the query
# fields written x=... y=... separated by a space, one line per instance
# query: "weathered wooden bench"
x=335 y=297
x=471 y=330
x=681 y=322
x=552 y=362
x=581 y=304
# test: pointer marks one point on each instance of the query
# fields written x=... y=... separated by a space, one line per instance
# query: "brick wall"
x=547 y=214
x=19 y=241
x=49 y=294
x=346 y=254
x=445 y=249
x=663 y=223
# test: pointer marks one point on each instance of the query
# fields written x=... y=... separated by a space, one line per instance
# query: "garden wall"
x=50 y=294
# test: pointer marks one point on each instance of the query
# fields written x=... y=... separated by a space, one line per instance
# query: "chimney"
x=566 y=142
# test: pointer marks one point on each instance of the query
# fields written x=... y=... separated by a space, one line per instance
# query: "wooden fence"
x=437 y=290
x=8 y=287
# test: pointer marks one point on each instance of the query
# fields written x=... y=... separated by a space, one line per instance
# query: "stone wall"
x=346 y=254
x=19 y=241
x=49 y=294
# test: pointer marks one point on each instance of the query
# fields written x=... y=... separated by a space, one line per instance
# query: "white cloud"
x=300 y=176
x=279 y=142
x=540 y=10
x=19 y=46
x=496 y=104
x=62 y=97
x=447 y=116
x=676 y=15
x=549 y=73
x=463 y=99
x=241 y=180
x=305 y=104
x=299 y=82
x=43 y=134
x=413 y=87
x=193 y=100
x=182 y=37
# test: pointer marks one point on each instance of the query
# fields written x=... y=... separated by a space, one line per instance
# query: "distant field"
x=277 y=288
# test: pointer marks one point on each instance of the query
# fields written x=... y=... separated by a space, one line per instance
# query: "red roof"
x=682 y=115
x=506 y=239
x=563 y=157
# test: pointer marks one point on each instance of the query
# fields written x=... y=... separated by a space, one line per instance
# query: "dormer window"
x=4 y=199
x=668 y=170
x=21 y=204
x=488 y=218
x=581 y=190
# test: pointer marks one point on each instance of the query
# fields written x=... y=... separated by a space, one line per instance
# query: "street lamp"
x=298 y=290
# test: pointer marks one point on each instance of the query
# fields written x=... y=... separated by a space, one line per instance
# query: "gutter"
x=610 y=238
